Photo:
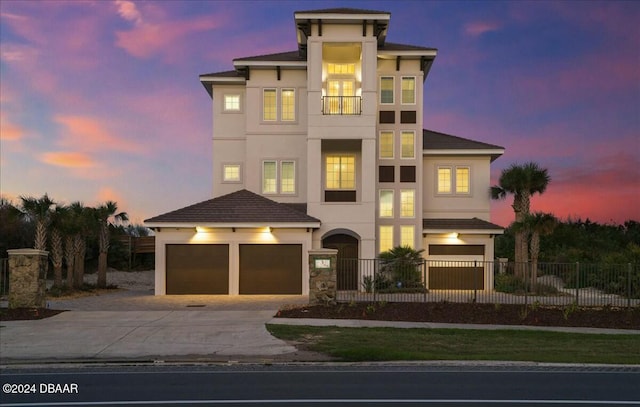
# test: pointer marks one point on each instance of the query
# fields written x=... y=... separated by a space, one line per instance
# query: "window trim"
x=415 y=91
x=413 y=235
x=279 y=181
x=452 y=180
x=413 y=203
x=224 y=103
x=380 y=192
x=355 y=174
x=387 y=227
x=231 y=181
x=282 y=105
x=275 y=92
x=393 y=90
x=393 y=147
x=413 y=137
x=264 y=192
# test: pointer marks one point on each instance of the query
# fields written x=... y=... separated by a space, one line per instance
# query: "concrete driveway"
x=140 y=326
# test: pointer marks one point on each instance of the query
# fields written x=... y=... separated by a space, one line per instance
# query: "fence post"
x=577 y=282
x=475 y=281
x=424 y=279
x=629 y=285
x=526 y=280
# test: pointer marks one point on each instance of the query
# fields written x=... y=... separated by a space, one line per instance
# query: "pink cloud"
x=165 y=38
x=89 y=134
x=128 y=11
x=477 y=28
x=68 y=159
x=8 y=130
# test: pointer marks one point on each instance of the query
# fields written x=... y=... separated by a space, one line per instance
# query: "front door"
x=347 y=267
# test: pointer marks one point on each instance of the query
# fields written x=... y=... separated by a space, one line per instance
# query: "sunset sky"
x=100 y=100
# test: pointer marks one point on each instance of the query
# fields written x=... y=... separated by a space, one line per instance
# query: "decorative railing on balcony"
x=342 y=105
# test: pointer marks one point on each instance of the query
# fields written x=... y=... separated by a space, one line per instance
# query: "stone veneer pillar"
x=322 y=276
x=27 y=278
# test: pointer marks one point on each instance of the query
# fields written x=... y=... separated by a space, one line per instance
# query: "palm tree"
x=104 y=214
x=522 y=181
x=84 y=223
x=536 y=224
x=38 y=210
x=57 y=248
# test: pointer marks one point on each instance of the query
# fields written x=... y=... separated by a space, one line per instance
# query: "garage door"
x=197 y=268
x=270 y=269
x=456 y=267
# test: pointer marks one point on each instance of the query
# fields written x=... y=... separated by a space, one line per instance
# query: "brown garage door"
x=456 y=274
x=270 y=269
x=197 y=268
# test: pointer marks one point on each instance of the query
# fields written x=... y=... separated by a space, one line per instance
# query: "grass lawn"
x=384 y=344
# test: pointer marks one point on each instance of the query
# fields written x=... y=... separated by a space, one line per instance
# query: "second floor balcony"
x=342 y=105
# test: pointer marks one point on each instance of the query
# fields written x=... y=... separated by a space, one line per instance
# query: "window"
x=386 y=144
x=386 y=90
x=386 y=203
x=448 y=184
x=408 y=91
x=407 y=173
x=444 y=180
x=231 y=173
x=407 y=141
x=407 y=203
x=407 y=236
x=408 y=116
x=386 y=173
x=341 y=69
x=386 y=238
x=288 y=97
x=231 y=103
x=387 y=116
x=287 y=177
x=341 y=172
x=462 y=180
x=269 y=106
x=269 y=177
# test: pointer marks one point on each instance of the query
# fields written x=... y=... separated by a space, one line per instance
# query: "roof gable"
x=238 y=207
x=435 y=143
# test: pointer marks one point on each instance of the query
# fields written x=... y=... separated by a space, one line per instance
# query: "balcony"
x=342 y=105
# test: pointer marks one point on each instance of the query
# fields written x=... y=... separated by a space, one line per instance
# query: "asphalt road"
x=310 y=385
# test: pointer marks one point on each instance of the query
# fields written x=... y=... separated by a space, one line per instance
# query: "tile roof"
x=238 y=207
x=342 y=10
x=279 y=56
x=433 y=140
x=459 y=224
x=392 y=46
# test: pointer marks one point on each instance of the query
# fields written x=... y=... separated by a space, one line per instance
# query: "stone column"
x=322 y=276
x=27 y=278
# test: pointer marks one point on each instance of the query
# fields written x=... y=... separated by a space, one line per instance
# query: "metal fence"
x=4 y=277
x=489 y=282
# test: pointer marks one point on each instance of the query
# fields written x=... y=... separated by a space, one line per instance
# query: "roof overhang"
x=493 y=153
x=442 y=231
x=269 y=64
x=236 y=225
x=392 y=54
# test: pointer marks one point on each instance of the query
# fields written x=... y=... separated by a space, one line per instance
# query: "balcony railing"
x=342 y=105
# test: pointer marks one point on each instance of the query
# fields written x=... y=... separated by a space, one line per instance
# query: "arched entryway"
x=347 y=267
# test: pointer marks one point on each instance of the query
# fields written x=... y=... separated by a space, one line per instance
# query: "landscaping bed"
x=22 y=314
x=469 y=313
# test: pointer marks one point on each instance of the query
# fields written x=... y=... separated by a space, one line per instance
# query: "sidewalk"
x=137 y=326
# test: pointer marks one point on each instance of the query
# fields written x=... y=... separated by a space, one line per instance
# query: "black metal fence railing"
x=341 y=105
x=489 y=282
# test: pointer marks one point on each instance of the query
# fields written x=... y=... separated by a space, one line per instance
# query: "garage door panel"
x=270 y=269
x=197 y=268
x=456 y=267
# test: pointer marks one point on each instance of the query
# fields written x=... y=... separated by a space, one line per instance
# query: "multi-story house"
x=324 y=146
